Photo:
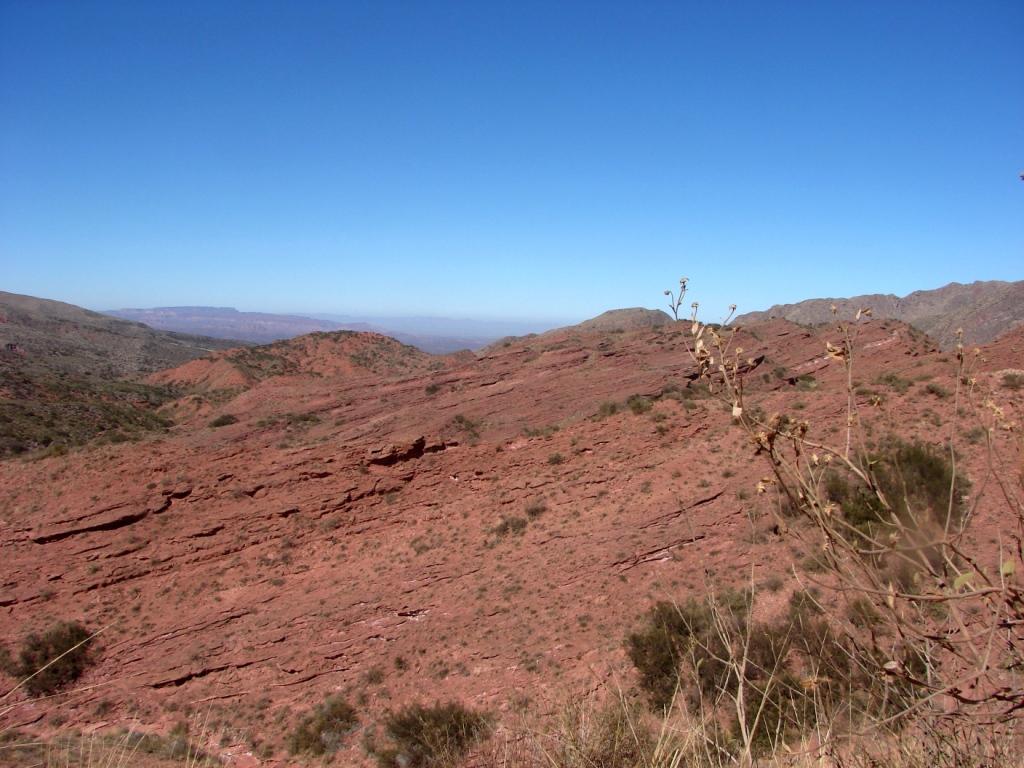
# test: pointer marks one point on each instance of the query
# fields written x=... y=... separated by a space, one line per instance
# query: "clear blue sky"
x=506 y=159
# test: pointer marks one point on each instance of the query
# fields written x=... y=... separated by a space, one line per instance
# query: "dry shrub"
x=431 y=736
x=324 y=730
x=615 y=735
x=52 y=660
x=770 y=683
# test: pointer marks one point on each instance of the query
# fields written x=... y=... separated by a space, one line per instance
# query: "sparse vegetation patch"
x=639 y=404
x=468 y=426
x=323 y=730
x=712 y=653
x=428 y=736
x=510 y=524
x=51 y=660
x=223 y=420
x=895 y=382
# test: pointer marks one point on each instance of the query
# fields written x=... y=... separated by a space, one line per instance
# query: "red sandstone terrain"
x=403 y=527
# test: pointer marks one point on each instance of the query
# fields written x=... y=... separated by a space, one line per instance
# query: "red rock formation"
x=348 y=523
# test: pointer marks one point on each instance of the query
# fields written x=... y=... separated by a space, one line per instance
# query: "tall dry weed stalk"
x=946 y=614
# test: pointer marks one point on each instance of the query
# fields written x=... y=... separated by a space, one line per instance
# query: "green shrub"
x=509 y=524
x=914 y=478
x=536 y=509
x=862 y=613
x=937 y=391
x=895 y=382
x=465 y=424
x=289 y=420
x=323 y=730
x=672 y=637
x=176 y=745
x=606 y=409
x=45 y=415
x=659 y=650
x=684 y=394
x=439 y=735
x=638 y=404
x=695 y=642
x=975 y=435
x=615 y=736
x=806 y=382
x=796 y=669
x=223 y=420
x=555 y=458
x=1013 y=381
x=65 y=647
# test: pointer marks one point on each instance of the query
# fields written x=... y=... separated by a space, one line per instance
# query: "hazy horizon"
x=479 y=328
x=508 y=325
x=347 y=316
x=342 y=316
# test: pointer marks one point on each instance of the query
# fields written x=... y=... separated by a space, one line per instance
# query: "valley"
x=340 y=513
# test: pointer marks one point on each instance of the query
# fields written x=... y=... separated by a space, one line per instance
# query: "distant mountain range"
x=983 y=309
x=228 y=323
x=429 y=334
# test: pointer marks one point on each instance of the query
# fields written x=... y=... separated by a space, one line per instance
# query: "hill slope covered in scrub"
x=75 y=340
x=68 y=375
x=341 y=515
x=983 y=309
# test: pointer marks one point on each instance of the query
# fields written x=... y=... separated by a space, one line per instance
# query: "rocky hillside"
x=68 y=375
x=625 y=320
x=351 y=518
x=337 y=355
x=984 y=310
x=74 y=340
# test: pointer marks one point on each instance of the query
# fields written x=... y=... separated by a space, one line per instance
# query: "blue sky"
x=526 y=160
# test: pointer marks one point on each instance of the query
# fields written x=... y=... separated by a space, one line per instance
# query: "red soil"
x=344 y=528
